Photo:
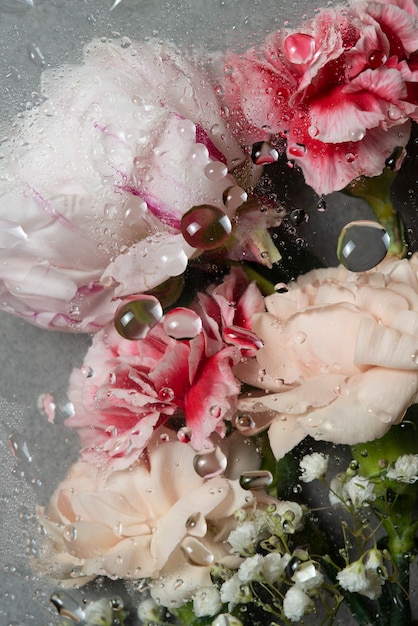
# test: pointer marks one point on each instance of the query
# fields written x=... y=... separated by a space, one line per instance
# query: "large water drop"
x=135 y=318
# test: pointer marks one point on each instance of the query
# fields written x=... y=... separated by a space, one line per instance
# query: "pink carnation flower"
x=94 y=186
x=126 y=389
x=340 y=91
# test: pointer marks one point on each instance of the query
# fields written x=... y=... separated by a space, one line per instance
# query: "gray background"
x=33 y=361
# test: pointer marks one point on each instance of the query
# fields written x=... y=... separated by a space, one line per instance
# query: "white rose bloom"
x=207 y=601
x=405 y=469
x=296 y=604
x=251 y=568
x=314 y=466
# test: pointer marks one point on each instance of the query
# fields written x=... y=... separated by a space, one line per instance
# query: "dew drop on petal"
x=234 y=197
x=187 y=129
x=298 y=216
x=248 y=424
x=281 y=288
x=362 y=245
x=263 y=153
x=257 y=479
x=299 y=48
x=166 y=394
x=376 y=58
x=215 y=170
x=209 y=463
x=182 y=323
x=196 y=552
x=356 y=134
x=184 y=434
x=135 y=318
x=205 y=227
x=396 y=158
x=297 y=150
x=173 y=259
x=196 y=525
x=243 y=339
x=67 y=606
x=87 y=371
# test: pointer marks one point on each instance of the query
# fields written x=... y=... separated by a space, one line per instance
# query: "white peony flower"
x=93 y=190
x=296 y=604
x=405 y=469
x=314 y=466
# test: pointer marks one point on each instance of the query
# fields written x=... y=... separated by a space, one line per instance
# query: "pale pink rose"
x=142 y=522
x=125 y=389
x=338 y=93
x=95 y=182
x=340 y=355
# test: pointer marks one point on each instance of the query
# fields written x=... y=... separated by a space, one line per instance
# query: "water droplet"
x=281 y=288
x=19 y=448
x=252 y=424
x=297 y=150
x=263 y=153
x=321 y=205
x=35 y=54
x=166 y=394
x=300 y=337
x=298 y=216
x=350 y=157
x=362 y=244
x=15 y=6
x=396 y=158
x=187 y=129
x=376 y=58
x=257 y=479
x=395 y=114
x=182 y=323
x=69 y=533
x=86 y=371
x=196 y=552
x=121 y=447
x=196 y=525
x=67 y=606
x=173 y=259
x=209 y=463
x=313 y=131
x=48 y=108
x=184 y=434
x=299 y=48
x=234 y=197
x=357 y=134
x=205 y=227
x=243 y=339
x=215 y=411
x=135 y=317
x=215 y=170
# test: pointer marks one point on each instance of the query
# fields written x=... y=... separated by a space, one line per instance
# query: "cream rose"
x=159 y=520
x=340 y=355
x=95 y=180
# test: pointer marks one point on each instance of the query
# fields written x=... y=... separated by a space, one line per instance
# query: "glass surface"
x=34 y=362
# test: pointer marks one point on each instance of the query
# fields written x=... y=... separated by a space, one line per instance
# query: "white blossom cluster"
x=366 y=576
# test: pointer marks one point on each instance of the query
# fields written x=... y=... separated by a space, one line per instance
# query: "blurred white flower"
x=405 y=469
x=206 y=601
x=234 y=591
x=359 y=490
x=251 y=568
x=296 y=604
x=274 y=567
x=244 y=538
x=353 y=577
x=314 y=466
